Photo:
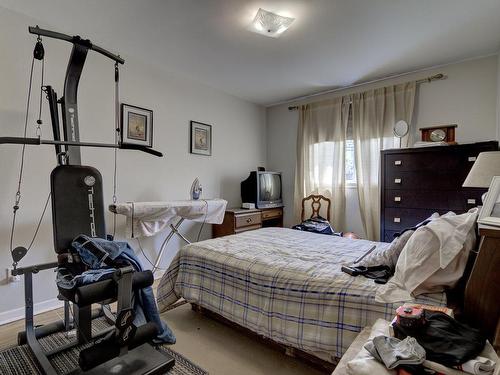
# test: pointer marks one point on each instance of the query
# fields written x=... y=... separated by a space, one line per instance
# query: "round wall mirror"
x=401 y=128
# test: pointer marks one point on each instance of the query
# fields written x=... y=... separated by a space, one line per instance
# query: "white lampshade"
x=485 y=167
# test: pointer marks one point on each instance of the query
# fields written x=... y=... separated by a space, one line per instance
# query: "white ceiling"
x=332 y=42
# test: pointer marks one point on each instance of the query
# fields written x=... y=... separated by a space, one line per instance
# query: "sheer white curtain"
x=321 y=155
x=374 y=114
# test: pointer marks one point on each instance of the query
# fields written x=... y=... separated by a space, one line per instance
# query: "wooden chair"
x=316 y=206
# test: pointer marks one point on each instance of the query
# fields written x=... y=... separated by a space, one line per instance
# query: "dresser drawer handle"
x=397 y=180
x=472 y=158
x=398 y=162
x=397 y=220
x=249 y=220
x=471 y=201
x=397 y=199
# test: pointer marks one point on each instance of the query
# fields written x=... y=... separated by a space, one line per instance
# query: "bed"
x=283 y=284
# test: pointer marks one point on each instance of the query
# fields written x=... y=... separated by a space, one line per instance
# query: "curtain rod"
x=435 y=77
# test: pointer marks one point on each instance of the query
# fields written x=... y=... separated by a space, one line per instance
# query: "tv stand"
x=237 y=220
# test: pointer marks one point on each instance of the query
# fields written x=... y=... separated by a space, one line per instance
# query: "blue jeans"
x=68 y=281
x=144 y=300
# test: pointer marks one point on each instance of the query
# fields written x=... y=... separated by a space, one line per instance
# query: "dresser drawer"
x=272 y=213
x=449 y=160
x=433 y=199
x=472 y=197
x=246 y=220
x=423 y=180
x=397 y=219
x=425 y=161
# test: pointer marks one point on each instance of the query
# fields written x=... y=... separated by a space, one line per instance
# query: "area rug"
x=18 y=360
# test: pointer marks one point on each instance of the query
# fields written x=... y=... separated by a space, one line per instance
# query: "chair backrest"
x=315 y=203
x=77 y=204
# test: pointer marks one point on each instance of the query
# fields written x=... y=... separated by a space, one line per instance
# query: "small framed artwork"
x=136 y=125
x=490 y=213
x=201 y=138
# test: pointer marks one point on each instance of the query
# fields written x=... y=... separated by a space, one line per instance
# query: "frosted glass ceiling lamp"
x=270 y=24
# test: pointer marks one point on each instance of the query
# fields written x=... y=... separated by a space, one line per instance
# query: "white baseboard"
x=40 y=307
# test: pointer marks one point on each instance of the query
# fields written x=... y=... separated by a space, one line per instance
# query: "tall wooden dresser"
x=415 y=182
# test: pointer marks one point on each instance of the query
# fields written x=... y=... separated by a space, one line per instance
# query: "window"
x=324 y=171
x=322 y=155
x=322 y=158
x=350 y=165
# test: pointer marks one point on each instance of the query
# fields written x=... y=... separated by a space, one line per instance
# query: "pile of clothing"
x=428 y=258
x=380 y=265
x=442 y=345
x=98 y=260
x=317 y=225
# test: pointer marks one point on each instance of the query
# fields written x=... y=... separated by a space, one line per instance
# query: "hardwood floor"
x=8 y=332
x=219 y=349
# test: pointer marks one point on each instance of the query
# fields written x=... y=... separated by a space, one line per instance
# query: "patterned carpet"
x=19 y=361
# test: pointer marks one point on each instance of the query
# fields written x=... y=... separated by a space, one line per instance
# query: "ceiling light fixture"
x=270 y=24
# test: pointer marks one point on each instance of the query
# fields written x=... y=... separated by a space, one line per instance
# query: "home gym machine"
x=78 y=208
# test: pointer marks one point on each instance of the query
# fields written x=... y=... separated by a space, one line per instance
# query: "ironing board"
x=145 y=219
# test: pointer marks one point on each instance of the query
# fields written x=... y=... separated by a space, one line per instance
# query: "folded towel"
x=393 y=352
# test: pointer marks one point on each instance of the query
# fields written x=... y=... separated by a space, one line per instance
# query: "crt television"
x=262 y=188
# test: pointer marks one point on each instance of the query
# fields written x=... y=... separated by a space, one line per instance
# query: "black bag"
x=316 y=225
x=445 y=340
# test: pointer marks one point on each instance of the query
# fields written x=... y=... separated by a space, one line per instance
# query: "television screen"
x=270 y=187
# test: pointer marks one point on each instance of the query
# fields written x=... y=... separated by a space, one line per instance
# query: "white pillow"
x=387 y=256
x=439 y=248
x=449 y=276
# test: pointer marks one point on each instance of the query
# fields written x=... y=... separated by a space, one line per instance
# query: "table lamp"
x=486 y=166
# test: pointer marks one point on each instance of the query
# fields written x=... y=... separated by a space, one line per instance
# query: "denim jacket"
x=144 y=300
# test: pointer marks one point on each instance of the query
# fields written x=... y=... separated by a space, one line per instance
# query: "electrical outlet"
x=11 y=278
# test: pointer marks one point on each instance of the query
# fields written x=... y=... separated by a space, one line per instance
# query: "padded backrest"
x=77 y=204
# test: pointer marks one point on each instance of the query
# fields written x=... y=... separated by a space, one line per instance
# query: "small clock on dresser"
x=441 y=133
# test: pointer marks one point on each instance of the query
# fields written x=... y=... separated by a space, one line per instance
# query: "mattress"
x=284 y=284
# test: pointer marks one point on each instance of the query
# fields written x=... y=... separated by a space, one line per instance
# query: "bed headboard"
x=482 y=290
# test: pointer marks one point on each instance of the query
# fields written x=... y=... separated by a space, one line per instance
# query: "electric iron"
x=196 y=189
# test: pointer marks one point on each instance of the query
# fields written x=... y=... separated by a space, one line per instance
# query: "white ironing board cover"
x=145 y=219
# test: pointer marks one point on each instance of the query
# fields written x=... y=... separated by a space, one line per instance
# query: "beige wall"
x=468 y=97
x=238 y=143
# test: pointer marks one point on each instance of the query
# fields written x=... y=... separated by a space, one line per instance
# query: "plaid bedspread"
x=283 y=284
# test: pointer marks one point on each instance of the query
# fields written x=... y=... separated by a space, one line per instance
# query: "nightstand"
x=237 y=220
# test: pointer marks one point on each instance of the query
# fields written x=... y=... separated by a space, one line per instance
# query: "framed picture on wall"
x=201 y=138
x=136 y=125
